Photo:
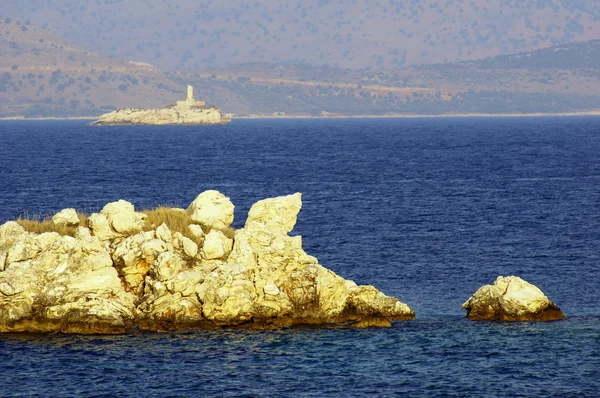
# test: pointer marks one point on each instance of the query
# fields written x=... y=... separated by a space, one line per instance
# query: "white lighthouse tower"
x=189 y=101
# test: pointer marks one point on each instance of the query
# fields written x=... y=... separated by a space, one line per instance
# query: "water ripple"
x=426 y=210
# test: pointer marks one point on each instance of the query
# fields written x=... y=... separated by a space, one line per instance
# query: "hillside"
x=583 y=55
x=42 y=75
x=558 y=79
x=357 y=34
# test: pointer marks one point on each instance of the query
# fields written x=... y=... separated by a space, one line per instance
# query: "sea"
x=426 y=210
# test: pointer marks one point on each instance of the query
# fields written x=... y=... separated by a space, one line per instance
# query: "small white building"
x=189 y=101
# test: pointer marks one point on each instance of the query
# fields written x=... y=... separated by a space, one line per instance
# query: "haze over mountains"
x=192 y=34
x=45 y=74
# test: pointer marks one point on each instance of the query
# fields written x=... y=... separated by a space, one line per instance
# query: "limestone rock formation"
x=189 y=112
x=164 y=116
x=212 y=209
x=122 y=217
x=119 y=273
x=511 y=299
x=60 y=283
x=66 y=217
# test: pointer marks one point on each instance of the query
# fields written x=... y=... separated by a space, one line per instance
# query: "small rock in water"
x=511 y=299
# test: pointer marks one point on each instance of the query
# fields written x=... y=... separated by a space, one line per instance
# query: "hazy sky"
x=186 y=34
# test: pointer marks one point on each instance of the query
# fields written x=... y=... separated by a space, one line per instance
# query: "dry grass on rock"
x=39 y=224
x=228 y=232
x=178 y=220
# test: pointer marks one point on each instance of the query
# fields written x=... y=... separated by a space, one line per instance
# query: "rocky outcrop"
x=118 y=273
x=189 y=111
x=66 y=217
x=51 y=282
x=212 y=209
x=164 y=116
x=511 y=299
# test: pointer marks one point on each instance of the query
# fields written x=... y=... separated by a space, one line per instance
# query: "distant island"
x=186 y=112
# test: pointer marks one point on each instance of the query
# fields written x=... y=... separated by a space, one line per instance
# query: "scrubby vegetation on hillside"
x=81 y=83
x=187 y=34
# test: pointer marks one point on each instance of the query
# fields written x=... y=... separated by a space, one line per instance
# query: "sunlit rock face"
x=118 y=274
x=164 y=116
x=60 y=283
x=212 y=209
x=511 y=299
x=66 y=217
x=187 y=112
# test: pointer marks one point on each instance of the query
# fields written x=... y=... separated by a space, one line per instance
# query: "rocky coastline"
x=162 y=117
x=171 y=269
x=118 y=271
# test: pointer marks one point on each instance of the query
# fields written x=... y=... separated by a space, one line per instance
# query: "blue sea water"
x=427 y=210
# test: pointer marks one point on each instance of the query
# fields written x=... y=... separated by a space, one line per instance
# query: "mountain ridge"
x=43 y=75
x=185 y=34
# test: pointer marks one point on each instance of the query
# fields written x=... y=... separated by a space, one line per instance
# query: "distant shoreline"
x=49 y=118
x=420 y=116
x=390 y=116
